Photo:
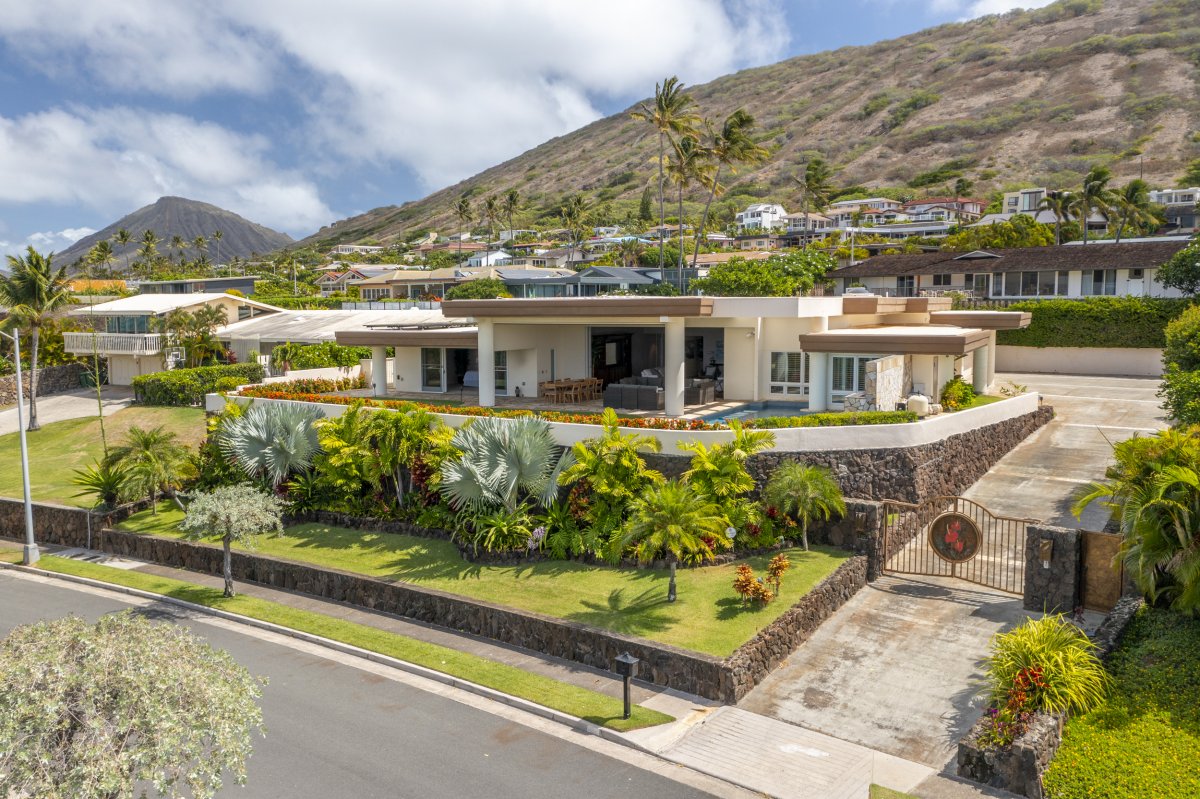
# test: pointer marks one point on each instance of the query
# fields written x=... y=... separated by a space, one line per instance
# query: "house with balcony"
x=1181 y=208
x=198 y=285
x=966 y=209
x=354 y=249
x=339 y=281
x=126 y=331
x=1070 y=271
x=763 y=217
x=488 y=258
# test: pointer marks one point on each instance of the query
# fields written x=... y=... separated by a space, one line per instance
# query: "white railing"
x=113 y=343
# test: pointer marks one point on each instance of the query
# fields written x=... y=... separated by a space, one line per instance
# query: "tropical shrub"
x=271 y=442
x=182 y=387
x=482 y=289
x=324 y=355
x=1181 y=340
x=806 y=493
x=673 y=521
x=501 y=530
x=848 y=418
x=107 y=482
x=152 y=461
x=1180 y=393
x=749 y=587
x=1045 y=665
x=957 y=393
x=718 y=473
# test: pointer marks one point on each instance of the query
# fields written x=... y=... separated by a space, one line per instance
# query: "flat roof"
x=897 y=339
x=580 y=306
x=984 y=320
x=156 y=304
x=456 y=337
x=310 y=327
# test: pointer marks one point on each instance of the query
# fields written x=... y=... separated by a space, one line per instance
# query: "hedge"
x=1135 y=322
x=188 y=386
x=324 y=355
x=848 y=418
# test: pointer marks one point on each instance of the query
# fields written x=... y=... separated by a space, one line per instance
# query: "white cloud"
x=47 y=241
x=970 y=9
x=118 y=159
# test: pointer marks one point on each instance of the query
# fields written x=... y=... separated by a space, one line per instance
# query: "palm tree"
x=123 y=238
x=690 y=163
x=33 y=291
x=510 y=204
x=464 y=212
x=505 y=463
x=629 y=250
x=403 y=440
x=152 y=459
x=271 y=442
x=148 y=251
x=671 y=115
x=1058 y=203
x=815 y=189
x=730 y=147
x=216 y=237
x=200 y=243
x=179 y=245
x=719 y=472
x=101 y=255
x=806 y=493
x=1094 y=196
x=574 y=213
x=1132 y=204
x=492 y=213
x=672 y=519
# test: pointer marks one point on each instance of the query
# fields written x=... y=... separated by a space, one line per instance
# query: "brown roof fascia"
x=385 y=337
x=984 y=320
x=952 y=343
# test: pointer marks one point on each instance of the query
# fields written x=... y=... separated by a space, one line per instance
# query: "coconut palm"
x=672 y=115
x=806 y=493
x=815 y=188
x=629 y=251
x=509 y=205
x=200 y=244
x=492 y=213
x=505 y=463
x=730 y=147
x=690 y=163
x=271 y=442
x=216 y=237
x=179 y=245
x=1094 y=196
x=123 y=238
x=574 y=213
x=1132 y=204
x=464 y=212
x=1058 y=203
x=152 y=458
x=674 y=521
x=101 y=254
x=33 y=292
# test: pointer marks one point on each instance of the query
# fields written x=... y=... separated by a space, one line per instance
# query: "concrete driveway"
x=70 y=405
x=896 y=669
x=1039 y=478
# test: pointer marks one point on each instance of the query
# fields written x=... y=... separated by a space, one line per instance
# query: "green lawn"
x=59 y=448
x=879 y=792
x=708 y=616
x=980 y=399
x=576 y=701
x=1145 y=740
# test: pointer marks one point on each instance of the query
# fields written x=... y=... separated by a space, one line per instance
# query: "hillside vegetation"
x=1026 y=98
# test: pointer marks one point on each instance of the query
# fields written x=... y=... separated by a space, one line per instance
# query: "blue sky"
x=296 y=113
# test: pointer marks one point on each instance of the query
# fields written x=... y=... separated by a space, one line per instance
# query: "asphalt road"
x=336 y=730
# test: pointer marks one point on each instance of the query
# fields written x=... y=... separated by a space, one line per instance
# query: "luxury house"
x=198 y=285
x=665 y=353
x=338 y=281
x=127 y=334
x=761 y=216
x=1182 y=207
x=1098 y=269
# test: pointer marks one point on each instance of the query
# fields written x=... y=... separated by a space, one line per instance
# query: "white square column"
x=379 y=371
x=818 y=381
x=487 y=364
x=980 y=369
x=673 y=367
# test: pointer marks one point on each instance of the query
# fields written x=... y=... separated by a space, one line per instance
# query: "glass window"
x=1063 y=280
x=1098 y=282
x=1012 y=284
x=501 y=372
x=941 y=280
x=1047 y=282
x=1029 y=284
x=789 y=373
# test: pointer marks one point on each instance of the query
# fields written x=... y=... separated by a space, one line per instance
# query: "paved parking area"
x=1039 y=478
x=70 y=405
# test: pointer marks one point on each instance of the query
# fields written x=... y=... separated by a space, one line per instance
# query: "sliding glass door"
x=433 y=369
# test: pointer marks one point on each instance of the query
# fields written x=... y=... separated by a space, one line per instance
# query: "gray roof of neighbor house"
x=310 y=327
x=1150 y=255
x=603 y=275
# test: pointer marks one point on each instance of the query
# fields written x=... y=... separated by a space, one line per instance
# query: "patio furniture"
x=700 y=392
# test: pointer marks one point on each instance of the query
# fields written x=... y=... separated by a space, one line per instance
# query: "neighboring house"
x=1181 y=208
x=815 y=349
x=198 y=285
x=934 y=229
x=354 y=249
x=760 y=240
x=509 y=235
x=761 y=216
x=340 y=281
x=968 y=209
x=539 y=259
x=414 y=284
x=488 y=258
x=1023 y=201
x=807 y=223
x=127 y=336
x=1102 y=269
x=1097 y=222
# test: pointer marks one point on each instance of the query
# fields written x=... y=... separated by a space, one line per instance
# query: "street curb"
x=575 y=723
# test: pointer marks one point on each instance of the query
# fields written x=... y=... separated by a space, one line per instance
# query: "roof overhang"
x=898 y=340
x=608 y=307
x=871 y=304
x=985 y=320
x=458 y=337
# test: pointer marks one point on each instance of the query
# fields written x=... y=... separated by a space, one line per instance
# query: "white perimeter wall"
x=1080 y=360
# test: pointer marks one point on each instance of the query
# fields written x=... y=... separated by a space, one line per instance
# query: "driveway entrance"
x=896 y=669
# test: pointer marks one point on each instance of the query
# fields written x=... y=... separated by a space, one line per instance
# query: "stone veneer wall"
x=1056 y=589
x=910 y=474
x=889 y=381
x=52 y=521
x=721 y=679
x=51 y=380
x=1019 y=768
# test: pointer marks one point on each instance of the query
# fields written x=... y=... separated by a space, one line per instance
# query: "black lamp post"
x=626 y=666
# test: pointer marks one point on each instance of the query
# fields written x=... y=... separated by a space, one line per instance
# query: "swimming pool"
x=758 y=410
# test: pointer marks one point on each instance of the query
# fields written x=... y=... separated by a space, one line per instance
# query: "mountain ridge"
x=1024 y=98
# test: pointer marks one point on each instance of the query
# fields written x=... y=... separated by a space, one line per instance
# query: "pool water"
x=758 y=410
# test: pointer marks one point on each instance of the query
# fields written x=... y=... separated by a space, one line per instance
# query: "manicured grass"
x=1145 y=740
x=576 y=701
x=59 y=448
x=708 y=616
x=879 y=792
x=980 y=400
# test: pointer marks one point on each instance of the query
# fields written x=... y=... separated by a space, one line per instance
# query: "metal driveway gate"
x=955 y=537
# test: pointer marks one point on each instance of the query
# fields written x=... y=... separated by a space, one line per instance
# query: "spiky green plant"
x=504 y=463
x=675 y=521
x=107 y=482
x=1074 y=678
x=612 y=467
x=151 y=459
x=806 y=493
x=271 y=442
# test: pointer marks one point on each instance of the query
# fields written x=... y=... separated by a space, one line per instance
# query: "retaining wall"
x=51 y=380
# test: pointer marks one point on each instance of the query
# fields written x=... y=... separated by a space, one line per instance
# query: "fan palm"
x=1059 y=204
x=690 y=163
x=33 y=292
x=505 y=463
x=730 y=147
x=806 y=493
x=671 y=115
x=271 y=442
x=674 y=520
x=152 y=458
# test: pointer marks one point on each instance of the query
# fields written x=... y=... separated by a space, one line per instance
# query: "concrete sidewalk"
x=70 y=405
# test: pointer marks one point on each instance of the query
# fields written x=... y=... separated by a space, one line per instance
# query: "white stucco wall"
x=1080 y=360
x=123 y=368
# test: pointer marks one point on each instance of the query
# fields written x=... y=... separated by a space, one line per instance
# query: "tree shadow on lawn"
x=731 y=607
x=638 y=615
